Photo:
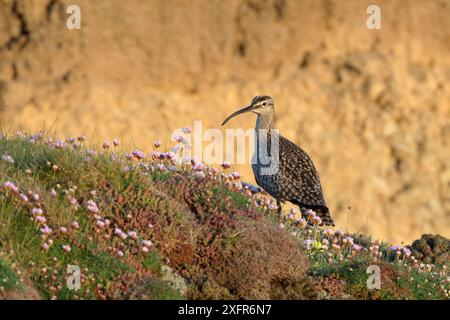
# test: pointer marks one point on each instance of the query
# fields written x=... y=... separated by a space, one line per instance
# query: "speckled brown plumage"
x=296 y=179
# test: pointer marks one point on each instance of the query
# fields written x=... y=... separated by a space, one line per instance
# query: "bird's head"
x=260 y=105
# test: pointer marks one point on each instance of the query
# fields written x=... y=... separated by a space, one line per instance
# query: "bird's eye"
x=264 y=103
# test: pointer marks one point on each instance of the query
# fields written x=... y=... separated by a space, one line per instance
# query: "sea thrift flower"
x=81 y=138
x=157 y=144
x=100 y=224
x=75 y=225
x=328 y=232
x=132 y=234
x=348 y=240
x=335 y=246
x=53 y=193
x=59 y=144
x=138 y=154
x=91 y=152
x=156 y=155
x=63 y=229
x=145 y=250
x=120 y=253
x=66 y=248
x=236 y=175
x=40 y=219
x=11 y=186
x=116 y=142
x=36 y=197
x=198 y=166
x=406 y=252
x=316 y=220
x=226 y=165
x=7 y=158
x=46 y=230
x=179 y=138
x=161 y=167
x=92 y=206
x=106 y=145
x=45 y=246
x=23 y=197
x=120 y=234
x=308 y=244
x=339 y=233
x=301 y=222
x=37 y=211
x=128 y=156
x=147 y=243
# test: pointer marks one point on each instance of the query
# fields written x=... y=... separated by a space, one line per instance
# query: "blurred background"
x=371 y=107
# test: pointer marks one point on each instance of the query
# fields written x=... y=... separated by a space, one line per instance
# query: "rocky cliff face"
x=372 y=107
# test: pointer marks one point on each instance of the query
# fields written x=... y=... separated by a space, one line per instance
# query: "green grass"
x=9 y=279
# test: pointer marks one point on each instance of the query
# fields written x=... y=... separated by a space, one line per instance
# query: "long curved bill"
x=243 y=110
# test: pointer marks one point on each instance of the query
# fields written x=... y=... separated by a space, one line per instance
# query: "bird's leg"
x=279 y=208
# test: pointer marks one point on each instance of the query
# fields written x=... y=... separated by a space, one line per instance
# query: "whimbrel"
x=295 y=180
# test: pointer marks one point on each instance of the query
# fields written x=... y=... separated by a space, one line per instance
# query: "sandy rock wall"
x=372 y=107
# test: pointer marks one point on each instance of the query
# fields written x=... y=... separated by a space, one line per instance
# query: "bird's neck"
x=264 y=121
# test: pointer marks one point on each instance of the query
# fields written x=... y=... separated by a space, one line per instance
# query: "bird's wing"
x=298 y=174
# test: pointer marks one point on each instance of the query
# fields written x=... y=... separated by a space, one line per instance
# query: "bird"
x=295 y=179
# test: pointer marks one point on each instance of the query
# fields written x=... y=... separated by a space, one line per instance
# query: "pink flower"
x=53 y=193
x=198 y=166
x=120 y=253
x=40 y=219
x=11 y=186
x=328 y=232
x=92 y=206
x=236 y=175
x=75 y=225
x=66 y=248
x=106 y=145
x=100 y=224
x=301 y=222
x=116 y=142
x=138 y=154
x=23 y=197
x=335 y=246
x=63 y=229
x=120 y=234
x=179 y=138
x=37 y=211
x=157 y=144
x=339 y=233
x=132 y=234
x=7 y=158
x=147 y=243
x=36 y=197
x=59 y=144
x=107 y=222
x=46 y=230
x=145 y=249
x=226 y=165
x=45 y=246
x=156 y=155
x=308 y=243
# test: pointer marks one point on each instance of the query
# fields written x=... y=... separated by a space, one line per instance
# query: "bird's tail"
x=322 y=211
